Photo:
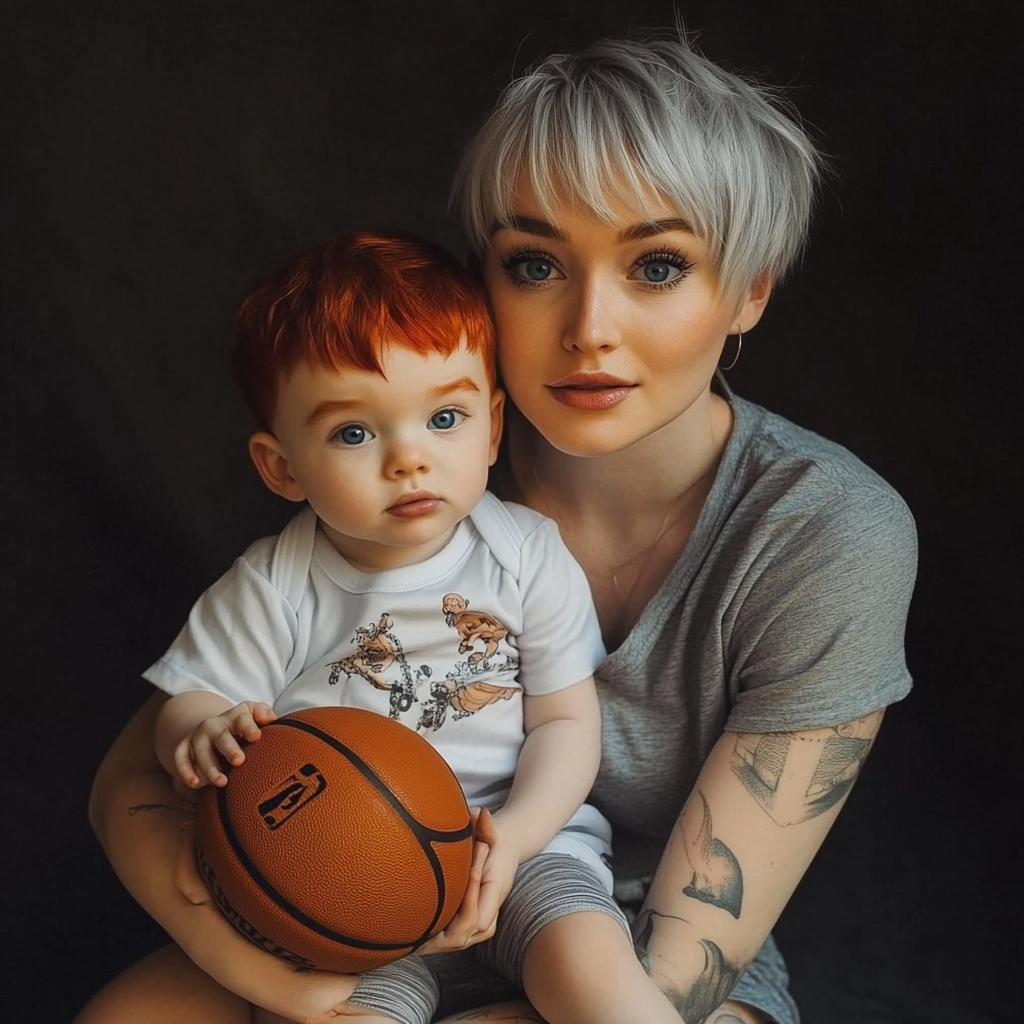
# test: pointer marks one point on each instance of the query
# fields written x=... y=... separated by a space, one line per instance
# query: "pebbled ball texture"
x=342 y=842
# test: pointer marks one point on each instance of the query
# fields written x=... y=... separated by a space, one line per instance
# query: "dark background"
x=157 y=157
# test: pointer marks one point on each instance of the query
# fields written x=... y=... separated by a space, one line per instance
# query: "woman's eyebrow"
x=647 y=228
x=529 y=225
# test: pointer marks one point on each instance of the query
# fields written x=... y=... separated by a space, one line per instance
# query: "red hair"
x=339 y=305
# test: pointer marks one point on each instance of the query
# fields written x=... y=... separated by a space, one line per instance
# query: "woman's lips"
x=594 y=391
x=419 y=503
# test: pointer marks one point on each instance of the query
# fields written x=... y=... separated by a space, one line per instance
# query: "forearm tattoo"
x=182 y=810
x=708 y=989
x=717 y=878
x=797 y=776
x=132 y=811
x=643 y=930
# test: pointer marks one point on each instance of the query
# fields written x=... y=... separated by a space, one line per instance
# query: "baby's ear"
x=272 y=465
x=497 y=420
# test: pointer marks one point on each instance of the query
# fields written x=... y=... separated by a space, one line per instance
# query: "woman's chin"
x=589 y=440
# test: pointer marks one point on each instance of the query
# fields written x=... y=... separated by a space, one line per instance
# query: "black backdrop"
x=157 y=157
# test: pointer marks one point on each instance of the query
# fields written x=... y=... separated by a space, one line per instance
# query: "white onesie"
x=447 y=646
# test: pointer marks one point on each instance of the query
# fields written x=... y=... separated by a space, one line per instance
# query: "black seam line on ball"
x=275 y=897
x=424 y=836
x=420 y=831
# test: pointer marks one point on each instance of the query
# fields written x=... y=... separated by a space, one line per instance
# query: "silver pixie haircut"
x=626 y=120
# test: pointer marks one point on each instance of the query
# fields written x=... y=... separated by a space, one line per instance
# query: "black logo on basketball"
x=277 y=805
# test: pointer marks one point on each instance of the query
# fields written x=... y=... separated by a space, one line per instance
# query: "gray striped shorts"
x=547 y=887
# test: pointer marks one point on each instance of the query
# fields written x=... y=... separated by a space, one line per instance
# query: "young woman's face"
x=607 y=332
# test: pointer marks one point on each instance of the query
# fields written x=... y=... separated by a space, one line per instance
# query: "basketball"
x=342 y=842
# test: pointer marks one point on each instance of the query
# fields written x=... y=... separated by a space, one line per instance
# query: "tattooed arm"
x=760 y=809
x=138 y=817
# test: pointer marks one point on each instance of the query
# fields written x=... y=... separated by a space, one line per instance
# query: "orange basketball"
x=342 y=842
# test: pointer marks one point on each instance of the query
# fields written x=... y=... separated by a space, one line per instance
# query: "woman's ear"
x=753 y=303
x=272 y=465
x=497 y=418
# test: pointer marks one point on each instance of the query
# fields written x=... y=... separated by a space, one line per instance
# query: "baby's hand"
x=499 y=872
x=195 y=757
x=490 y=880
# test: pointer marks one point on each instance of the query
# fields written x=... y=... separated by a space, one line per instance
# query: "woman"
x=630 y=208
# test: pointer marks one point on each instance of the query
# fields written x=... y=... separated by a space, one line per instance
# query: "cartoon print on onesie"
x=378 y=649
x=460 y=691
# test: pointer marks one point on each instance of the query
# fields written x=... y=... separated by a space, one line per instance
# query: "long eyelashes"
x=520 y=258
x=358 y=435
x=673 y=259
x=534 y=268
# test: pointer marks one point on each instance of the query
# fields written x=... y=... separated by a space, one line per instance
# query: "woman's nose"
x=405 y=458
x=593 y=323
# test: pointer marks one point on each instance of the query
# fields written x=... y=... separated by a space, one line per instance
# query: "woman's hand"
x=490 y=881
x=293 y=993
x=144 y=825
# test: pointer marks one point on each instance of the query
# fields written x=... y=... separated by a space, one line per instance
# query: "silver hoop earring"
x=739 y=349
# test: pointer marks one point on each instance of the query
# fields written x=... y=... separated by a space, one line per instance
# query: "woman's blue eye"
x=353 y=435
x=662 y=269
x=533 y=269
x=446 y=419
x=530 y=268
x=658 y=273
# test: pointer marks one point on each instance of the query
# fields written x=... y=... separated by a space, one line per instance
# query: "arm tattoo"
x=132 y=811
x=717 y=878
x=643 y=928
x=710 y=988
x=797 y=776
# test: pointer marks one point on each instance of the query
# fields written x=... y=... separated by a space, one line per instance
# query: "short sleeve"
x=560 y=643
x=238 y=641
x=819 y=636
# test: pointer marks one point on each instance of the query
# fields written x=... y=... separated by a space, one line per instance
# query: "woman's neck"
x=626 y=487
x=628 y=515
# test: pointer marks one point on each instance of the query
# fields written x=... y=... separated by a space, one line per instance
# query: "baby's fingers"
x=484 y=830
x=185 y=765
x=204 y=756
x=462 y=928
x=228 y=746
x=247 y=718
x=263 y=714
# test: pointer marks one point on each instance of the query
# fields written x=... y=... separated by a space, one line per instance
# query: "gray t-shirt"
x=785 y=611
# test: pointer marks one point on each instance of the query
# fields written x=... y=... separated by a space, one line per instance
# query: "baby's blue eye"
x=446 y=419
x=353 y=435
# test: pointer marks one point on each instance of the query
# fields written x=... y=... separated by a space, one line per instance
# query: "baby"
x=405 y=588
